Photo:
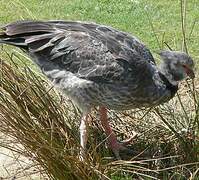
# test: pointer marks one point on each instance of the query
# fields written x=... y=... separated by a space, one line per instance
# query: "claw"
x=128 y=141
x=120 y=148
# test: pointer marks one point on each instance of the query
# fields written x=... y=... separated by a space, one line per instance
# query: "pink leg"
x=114 y=144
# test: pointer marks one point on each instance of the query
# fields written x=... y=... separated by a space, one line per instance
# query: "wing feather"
x=90 y=51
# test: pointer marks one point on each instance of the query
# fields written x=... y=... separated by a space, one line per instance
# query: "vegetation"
x=144 y=18
x=40 y=124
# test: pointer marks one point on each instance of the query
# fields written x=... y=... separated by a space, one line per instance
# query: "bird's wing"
x=90 y=51
x=108 y=34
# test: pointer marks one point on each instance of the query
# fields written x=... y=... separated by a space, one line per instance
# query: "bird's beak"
x=189 y=72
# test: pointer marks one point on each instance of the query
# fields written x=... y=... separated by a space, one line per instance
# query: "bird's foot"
x=120 y=147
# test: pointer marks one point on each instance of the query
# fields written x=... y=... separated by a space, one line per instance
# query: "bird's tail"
x=16 y=33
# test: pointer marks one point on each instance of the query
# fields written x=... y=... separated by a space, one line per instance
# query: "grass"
x=34 y=115
x=134 y=16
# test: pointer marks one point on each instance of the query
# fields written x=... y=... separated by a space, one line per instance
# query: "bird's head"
x=177 y=65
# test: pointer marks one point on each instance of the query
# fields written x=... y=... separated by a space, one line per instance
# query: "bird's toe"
x=121 y=151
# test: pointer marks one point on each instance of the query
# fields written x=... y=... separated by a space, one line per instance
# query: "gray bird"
x=99 y=66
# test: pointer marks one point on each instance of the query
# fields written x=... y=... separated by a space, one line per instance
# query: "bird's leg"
x=113 y=143
x=83 y=135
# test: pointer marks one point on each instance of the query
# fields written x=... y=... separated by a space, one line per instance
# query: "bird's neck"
x=164 y=69
x=167 y=77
